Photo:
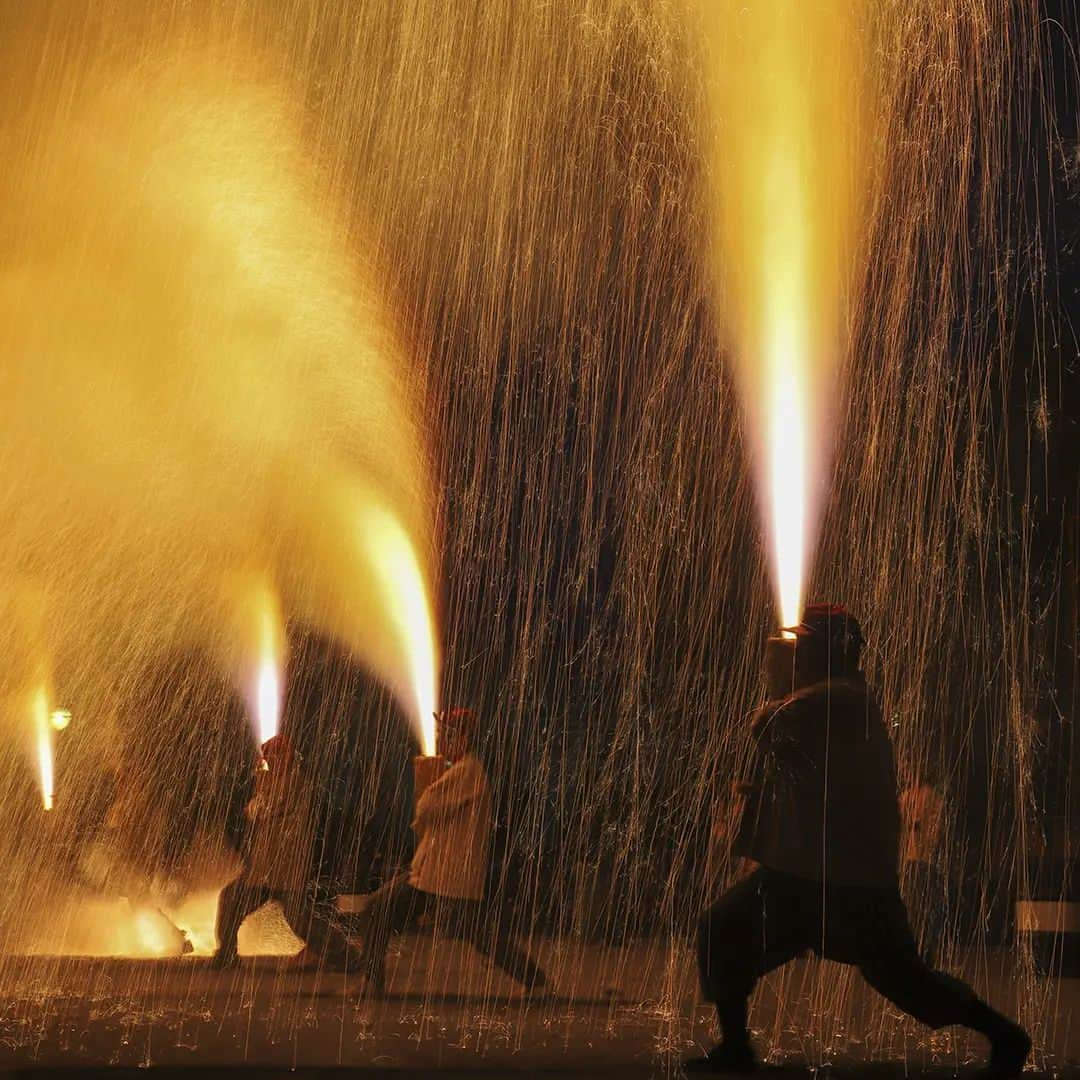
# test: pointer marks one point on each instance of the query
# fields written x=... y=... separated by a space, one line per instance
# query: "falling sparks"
x=231 y=301
x=787 y=100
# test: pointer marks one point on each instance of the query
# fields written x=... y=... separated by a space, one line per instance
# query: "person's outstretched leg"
x=323 y=938
x=893 y=967
x=237 y=901
x=392 y=908
x=758 y=925
x=482 y=927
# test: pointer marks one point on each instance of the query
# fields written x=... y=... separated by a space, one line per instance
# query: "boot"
x=1010 y=1044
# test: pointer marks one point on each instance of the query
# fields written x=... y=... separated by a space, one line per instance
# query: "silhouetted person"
x=821 y=823
x=277 y=853
x=453 y=825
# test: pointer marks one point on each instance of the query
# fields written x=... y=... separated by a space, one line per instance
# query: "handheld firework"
x=452 y=735
x=828 y=641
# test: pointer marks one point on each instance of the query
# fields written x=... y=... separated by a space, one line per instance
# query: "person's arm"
x=456 y=789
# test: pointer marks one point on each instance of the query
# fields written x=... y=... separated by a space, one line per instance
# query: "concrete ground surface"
x=629 y=1011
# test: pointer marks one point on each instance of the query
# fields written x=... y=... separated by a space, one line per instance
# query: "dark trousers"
x=307 y=919
x=397 y=906
x=925 y=894
x=770 y=918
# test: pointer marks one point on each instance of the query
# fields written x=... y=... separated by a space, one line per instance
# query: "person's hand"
x=426 y=770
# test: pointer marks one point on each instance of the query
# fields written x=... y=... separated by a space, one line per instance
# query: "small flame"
x=260 y=659
x=405 y=594
x=60 y=719
x=43 y=732
x=268 y=674
x=268 y=699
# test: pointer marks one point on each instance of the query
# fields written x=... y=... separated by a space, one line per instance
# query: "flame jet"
x=197 y=352
x=254 y=647
x=789 y=99
x=43 y=736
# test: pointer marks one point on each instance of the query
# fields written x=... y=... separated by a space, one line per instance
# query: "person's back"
x=823 y=802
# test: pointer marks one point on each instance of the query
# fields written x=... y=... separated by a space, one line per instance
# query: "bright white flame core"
x=268 y=697
x=404 y=594
x=260 y=660
x=43 y=735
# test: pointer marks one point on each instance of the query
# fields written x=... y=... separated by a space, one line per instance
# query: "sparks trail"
x=533 y=189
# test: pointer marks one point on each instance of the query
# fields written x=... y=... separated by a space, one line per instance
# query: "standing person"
x=822 y=824
x=453 y=825
x=277 y=853
x=922 y=814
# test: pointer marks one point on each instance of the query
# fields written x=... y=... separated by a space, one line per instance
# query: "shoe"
x=724 y=1058
x=1009 y=1050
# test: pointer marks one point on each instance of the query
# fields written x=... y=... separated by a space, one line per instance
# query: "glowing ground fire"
x=788 y=93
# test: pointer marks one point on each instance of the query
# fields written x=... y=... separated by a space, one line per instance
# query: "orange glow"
x=788 y=104
x=402 y=583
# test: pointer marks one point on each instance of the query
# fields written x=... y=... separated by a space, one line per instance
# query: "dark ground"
x=630 y=1012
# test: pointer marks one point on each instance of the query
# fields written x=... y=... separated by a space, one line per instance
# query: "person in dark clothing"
x=277 y=852
x=446 y=880
x=819 y=821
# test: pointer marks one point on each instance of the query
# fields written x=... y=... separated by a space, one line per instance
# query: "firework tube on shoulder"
x=452 y=728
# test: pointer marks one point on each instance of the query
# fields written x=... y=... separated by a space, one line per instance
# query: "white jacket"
x=453 y=829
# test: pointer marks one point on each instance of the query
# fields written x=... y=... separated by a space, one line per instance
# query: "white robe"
x=453 y=828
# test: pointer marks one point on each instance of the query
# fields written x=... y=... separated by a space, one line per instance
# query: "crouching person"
x=822 y=824
x=453 y=825
x=277 y=853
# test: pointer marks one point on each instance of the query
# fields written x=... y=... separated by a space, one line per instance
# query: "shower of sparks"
x=260 y=258
x=788 y=90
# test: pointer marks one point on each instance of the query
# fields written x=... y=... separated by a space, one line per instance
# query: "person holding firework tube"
x=820 y=822
x=278 y=852
x=446 y=879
